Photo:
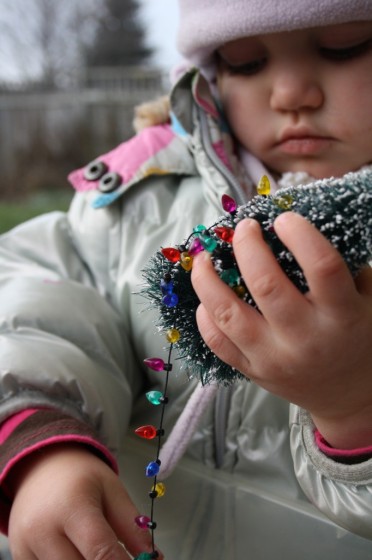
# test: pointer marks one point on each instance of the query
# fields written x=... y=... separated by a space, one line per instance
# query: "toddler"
x=269 y=87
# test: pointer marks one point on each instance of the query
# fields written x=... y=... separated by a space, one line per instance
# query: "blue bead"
x=166 y=287
x=152 y=469
x=170 y=300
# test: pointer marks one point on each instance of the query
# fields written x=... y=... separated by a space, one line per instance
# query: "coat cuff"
x=32 y=430
x=348 y=456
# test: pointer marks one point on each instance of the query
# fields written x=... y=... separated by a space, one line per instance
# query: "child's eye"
x=247 y=69
x=346 y=53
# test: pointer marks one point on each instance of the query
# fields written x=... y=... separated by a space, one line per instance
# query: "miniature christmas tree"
x=341 y=209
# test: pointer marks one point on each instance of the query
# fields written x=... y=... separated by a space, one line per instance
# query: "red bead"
x=173 y=255
x=224 y=233
x=147 y=432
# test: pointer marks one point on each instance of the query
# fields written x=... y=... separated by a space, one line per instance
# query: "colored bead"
x=228 y=203
x=284 y=201
x=159 y=488
x=195 y=247
x=208 y=243
x=152 y=469
x=173 y=255
x=144 y=556
x=170 y=300
x=155 y=397
x=224 y=233
x=263 y=186
x=173 y=335
x=156 y=364
x=186 y=261
x=142 y=521
x=199 y=228
x=166 y=287
x=230 y=276
x=147 y=432
x=240 y=291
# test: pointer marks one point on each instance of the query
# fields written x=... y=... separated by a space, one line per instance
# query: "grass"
x=13 y=213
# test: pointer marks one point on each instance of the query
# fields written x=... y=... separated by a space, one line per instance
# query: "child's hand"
x=70 y=505
x=313 y=350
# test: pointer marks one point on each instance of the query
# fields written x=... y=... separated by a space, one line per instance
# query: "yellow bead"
x=173 y=336
x=186 y=261
x=159 y=487
x=284 y=201
x=263 y=186
x=240 y=291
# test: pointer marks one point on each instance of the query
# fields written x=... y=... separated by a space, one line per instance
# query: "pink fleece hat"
x=205 y=25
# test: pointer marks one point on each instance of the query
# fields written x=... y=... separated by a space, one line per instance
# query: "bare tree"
x=45 y=40
x=50 y=41
x=120 y=40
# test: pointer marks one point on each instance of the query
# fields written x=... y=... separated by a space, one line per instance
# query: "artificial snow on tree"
x=341 y=209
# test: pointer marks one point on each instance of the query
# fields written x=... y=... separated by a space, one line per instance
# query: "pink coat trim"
x=7 y=428
x=328 y=450
x=128 y=157
x=11 y=423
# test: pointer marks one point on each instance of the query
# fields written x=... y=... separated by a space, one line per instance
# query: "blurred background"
x=71 y=73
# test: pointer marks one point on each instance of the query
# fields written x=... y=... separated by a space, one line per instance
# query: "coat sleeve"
x=62 y=343
x=343 y=492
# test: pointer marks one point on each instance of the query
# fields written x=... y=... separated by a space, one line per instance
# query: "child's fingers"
x=363 y=281
x=58 y=548
x=277 y=298
x=92 y=535
x=327 y=275
x=121 y=514
x=226 y=322
x=20 y=552
x=219 y=343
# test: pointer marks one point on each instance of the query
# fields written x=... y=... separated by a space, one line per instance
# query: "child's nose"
x=296 y=91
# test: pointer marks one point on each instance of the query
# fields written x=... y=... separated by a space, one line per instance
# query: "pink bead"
x=228 y=203
x=156 y=364
x=142 y=521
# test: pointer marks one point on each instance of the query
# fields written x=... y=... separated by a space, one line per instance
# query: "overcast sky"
x=160 y=18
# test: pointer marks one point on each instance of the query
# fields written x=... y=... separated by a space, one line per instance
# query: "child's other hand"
x=313 y=350
x=70 y=505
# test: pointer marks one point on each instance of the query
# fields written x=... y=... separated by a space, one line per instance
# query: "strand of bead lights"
x=183 y=254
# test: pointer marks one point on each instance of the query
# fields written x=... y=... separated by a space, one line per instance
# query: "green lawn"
x=14 y=213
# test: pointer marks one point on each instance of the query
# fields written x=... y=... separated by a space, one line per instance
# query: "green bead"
x=154 y=397
x=199 y=228
x=144 y=556
x=208 y=243
x=230 y=276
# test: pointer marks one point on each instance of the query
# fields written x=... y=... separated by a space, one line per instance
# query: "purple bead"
x=195 y=247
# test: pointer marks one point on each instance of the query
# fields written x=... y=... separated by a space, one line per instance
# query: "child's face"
x=302 y=101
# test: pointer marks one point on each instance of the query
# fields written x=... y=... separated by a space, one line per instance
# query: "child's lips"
x=302 y=142
x=308 y=145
